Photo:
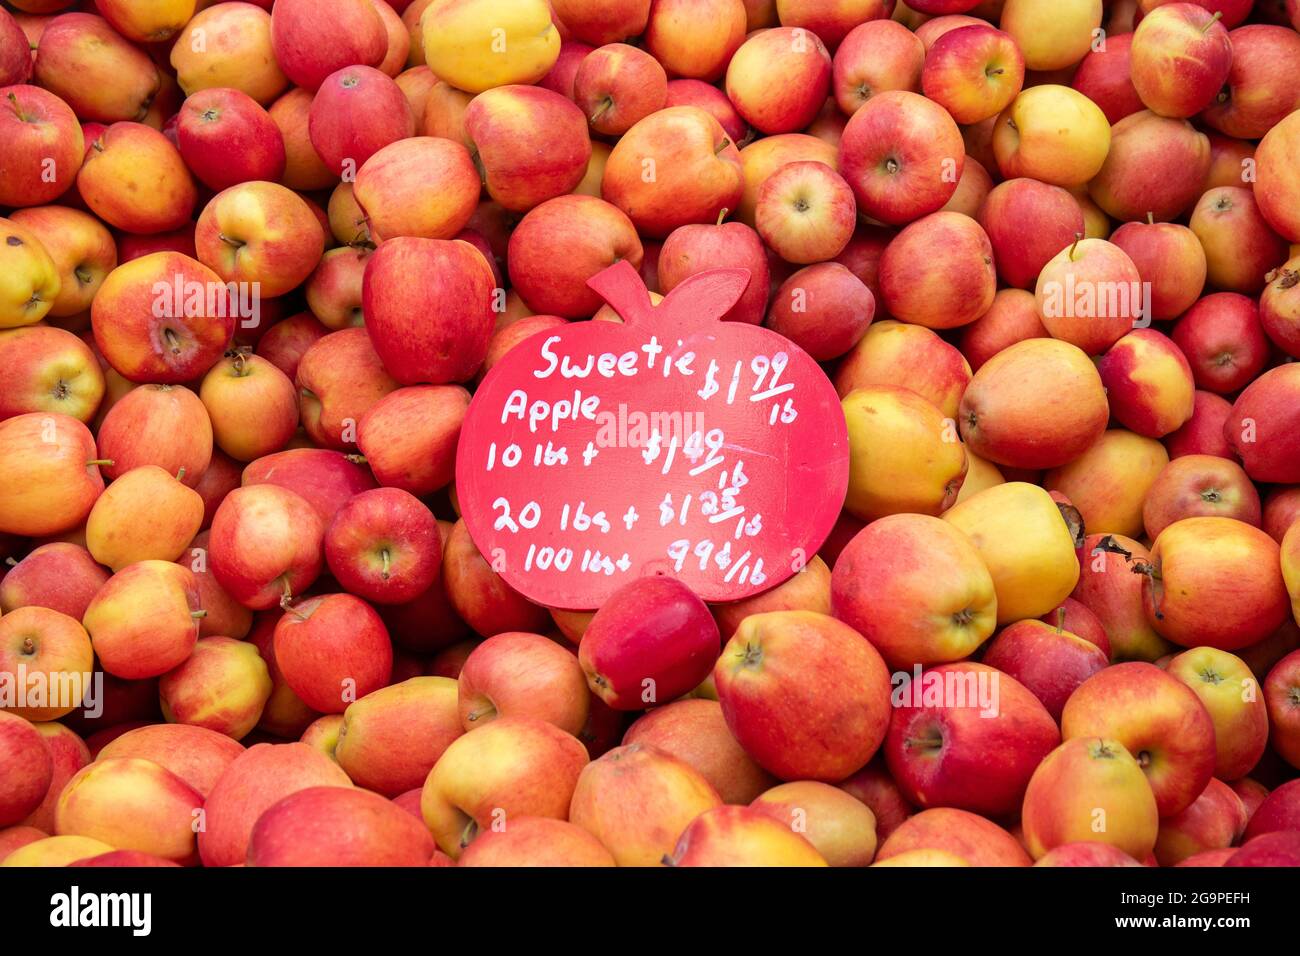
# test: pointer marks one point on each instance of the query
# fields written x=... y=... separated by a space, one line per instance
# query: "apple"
x=399 y=38
x=761 y=158
x=68 y=754
x=1008 y=420
x=972 y=189
x=1276 y=812
x=49 y=370
x=1241 y=250
x=409 y=436
x=598 y=22
x=255 y=781
x=691 y=249
x=1171 y=258
x=314 y=38
x=908 y=356
x=51 y=474
x=935 y=607
x=1104 y=76
x=1013 y=317
x=1021 y=254
x=1257 y=94
x=561 y=244
x=1203 y=432
x=902 y=154
x=196 y=755
x=479 y=596
x=633 y=658
x=824 y=309
x=1156 y=167
x=357 y=111
x=637 y=800
x=1109 y=482
x=1050 y=661
x=1090 y=790
x=226 y=138
x=1279 y=307
x=523 y=675
x=135 y=804
x=695 y=39
x=1271 y=849
x=779 y=79
x=1148 y=383
x=1108 y=587
x=502 y=770
x=840 y=827
x=333 y=649
x=617 y=85
x=81 y=248
x=145 y=620
x=423 y=186
x=1214 y=821
x=741 y=836
x=391 y=738
x=1229 y=160
x=252 y=405
x=973 y=75
x=339 y=379
x=1052 y=38
x=938 y=291
x=266 y=545
x=44 y=146
x=223 y=686
x=383 y=545
x=874 y=57
x=303 y=167
x=95 y=70
x=476 y=45
x=1281 y=511
x=1263 y=426
x=688 y=92
x=56 y=851
x=229 y=46
x=1229 y=691
x=337 y=826
x=696 y=172
x=1180 y=59
x=28 y=766
x=536 y=841
x=786 y=677
x=1086 y=854
x=444 y=114
x=325 y=479
x=60 y=576
x=1051 y=133
x=135 y=180
x=146 y=514
x=1281 y=689
x=32 y=282
x=285 y=343
x=958 y=834
x=15 y=55
x=1198 y=486
x=260 y=233
x=805 y=212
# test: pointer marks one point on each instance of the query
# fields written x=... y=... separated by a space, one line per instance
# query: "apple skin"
x=618 y=85
x=325 y=479
x=1281 y=511
x=357 y=111
x=1171 y=258
x=163 y=425
x=285 y=343
x=95 y=70
x=1109 y=482
x=507 y=768
x=1224 y=341
x=561 y=244
x=1109 y=589
x=1180 y=58
x=1279 y=307
x=237 y=54
x=51 y=478
x=805 y=212
x=973 y=75
x=1086 y=854
x=266 y=545
x=1155 y=716
x=1013 y=317
x=252 y=404
x=957 y=755
x=38 y=126
x=1280 y=692
x=695 y=40
x=1148 y=383
x=255 y=781
x=698 y=172
x=1271 y=849
x=876 y=56
x=338 y=826
x=1276 y=185
x=874 y=786
x=1020 y=254
x=223 y=686
x=1052 y=38
x=824 y=309
x=391 y=738
x=339 y=379
x=1104 y=77
x=146 y=514
x=144 y=621
x=637 y=800
x=314 y=38
x=536 y=841
x=15 y=52
x=226 y=138
x=688 y=92
x=383 y=545
x=479 y=44
x=1199 y=486
x=1090 y=295
x=523 y=675
x=134 y=803
x=332 y=650
x=1203 y=432
x=68 y=754
x=1259 y=90
x=1080 y=777
x=1279 y=812
x=260 y=233
x=423 y=186
x=1156 y=166
x=902 y=154
x=779 y=79
x=49 y=370
x=32 y=281
x=695 y=732
x=761 y=158
x=409 y=436
x=428 y=306
x=1053 y=134
x=128 y=161
x=479 y=595
x=60 y=576
x=195 y=754
x=1262 y=428
x=1025 y=543
x=908 y=356
x=81 y=247
x=1226 y=686
x=1050 y=663
x=1241 y=250
x=29 y=768
x=691 y=249
x=633 y=657
x=939 y=292
x=966 y=836
x=917 y=589
x=1010 y=422
x=56 y=851
x=598 y=22
x=741 y=836
x=782 y=714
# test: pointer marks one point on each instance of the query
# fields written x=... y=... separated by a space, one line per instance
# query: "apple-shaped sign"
x=671 y=443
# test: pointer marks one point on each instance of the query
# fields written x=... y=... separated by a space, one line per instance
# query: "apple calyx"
x=1285 y=278
x=29 y=647
x=1212 y=495
x=173 y=341
x=239 y=362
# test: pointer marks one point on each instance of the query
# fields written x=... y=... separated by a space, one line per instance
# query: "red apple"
x=960 y=834
x=1199 y=485
x=875 y=57
x=423 y=186
x=1148 y=383
x=1013 y=317
x=325 y=479
x=1203 y=432
x=44 y=146
x=1090 y=294
x=1169 y=257
x=824 y=309
x=337 y=826
x=1021 y=253
x=728 y=245
x=95 y=70
x=1104 y=77
x=1240 y=248
x=779 y=79
x=339 y=379
x=618 y=85
x=357 y=111
x=313 y=38
x=134 y=179
x=1156 y=168
x=226 y=137
x=1279 y=307
x=973 y=74
x=145 y=620
x=1180 y=58
x=1281 y=690
x=1264 y=427
x=265 y=545
x=921 y=286
x=1051 y=661
x=333 y=650
x=805 y=212
x=695 y=39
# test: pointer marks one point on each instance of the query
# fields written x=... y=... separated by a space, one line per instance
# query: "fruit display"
x=638 y=433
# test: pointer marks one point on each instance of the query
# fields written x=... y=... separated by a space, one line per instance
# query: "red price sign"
x=672 y=443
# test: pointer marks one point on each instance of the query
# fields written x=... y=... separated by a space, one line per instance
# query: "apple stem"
x=1218 y=15
x=172 y=341
x=230 y=242
x=605 y=106
x=467 y=835
x=357 y=459
x=726 y=141
x=18 y=110
x=1078 y=237
x=722 y=214
x=180 y=474
x=1152 y=572
x=101 y=461
x=11 y=562
x=286 y=600
x=196 y=615
x=1151 y=218
x=478 y=714
x=1060 y=619
x=384 y=554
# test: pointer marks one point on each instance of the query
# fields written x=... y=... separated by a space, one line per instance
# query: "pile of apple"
x=254 y=258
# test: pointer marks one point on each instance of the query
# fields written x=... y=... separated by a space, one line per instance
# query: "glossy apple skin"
x=135 y=180
x=29 y=769
x=1155 y=165
x=339 y=379
x=874 y=57
x=1051 y=663
x=145 y=514
x=195 y=754
x=916 y=289
x=82 y=248
x=1151 y=714
x=1280 y=693
x=391 y=738
x=1223 y=340
x=1020 y=254
x=1103 y=76
x=916 y=588
x=1180 y=58
x=967 y=836
x=1200 y=486
x=528 y=675
x=741 y=836
x=333 y=650
x=1203 y=432
x=910 y=356
x=1051 y=133
x=313 y=38
x=325 y=479
x=383 y=545
x=1083 y=775
x=338 y=826
x=51 y=484
x=975 y=74
x=805 y=213
x=226 y=137
x=1226 y=687
x=787 y=663
x=265 y=544
x=357 y=111
x=1171 y=258
x=633 y=658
